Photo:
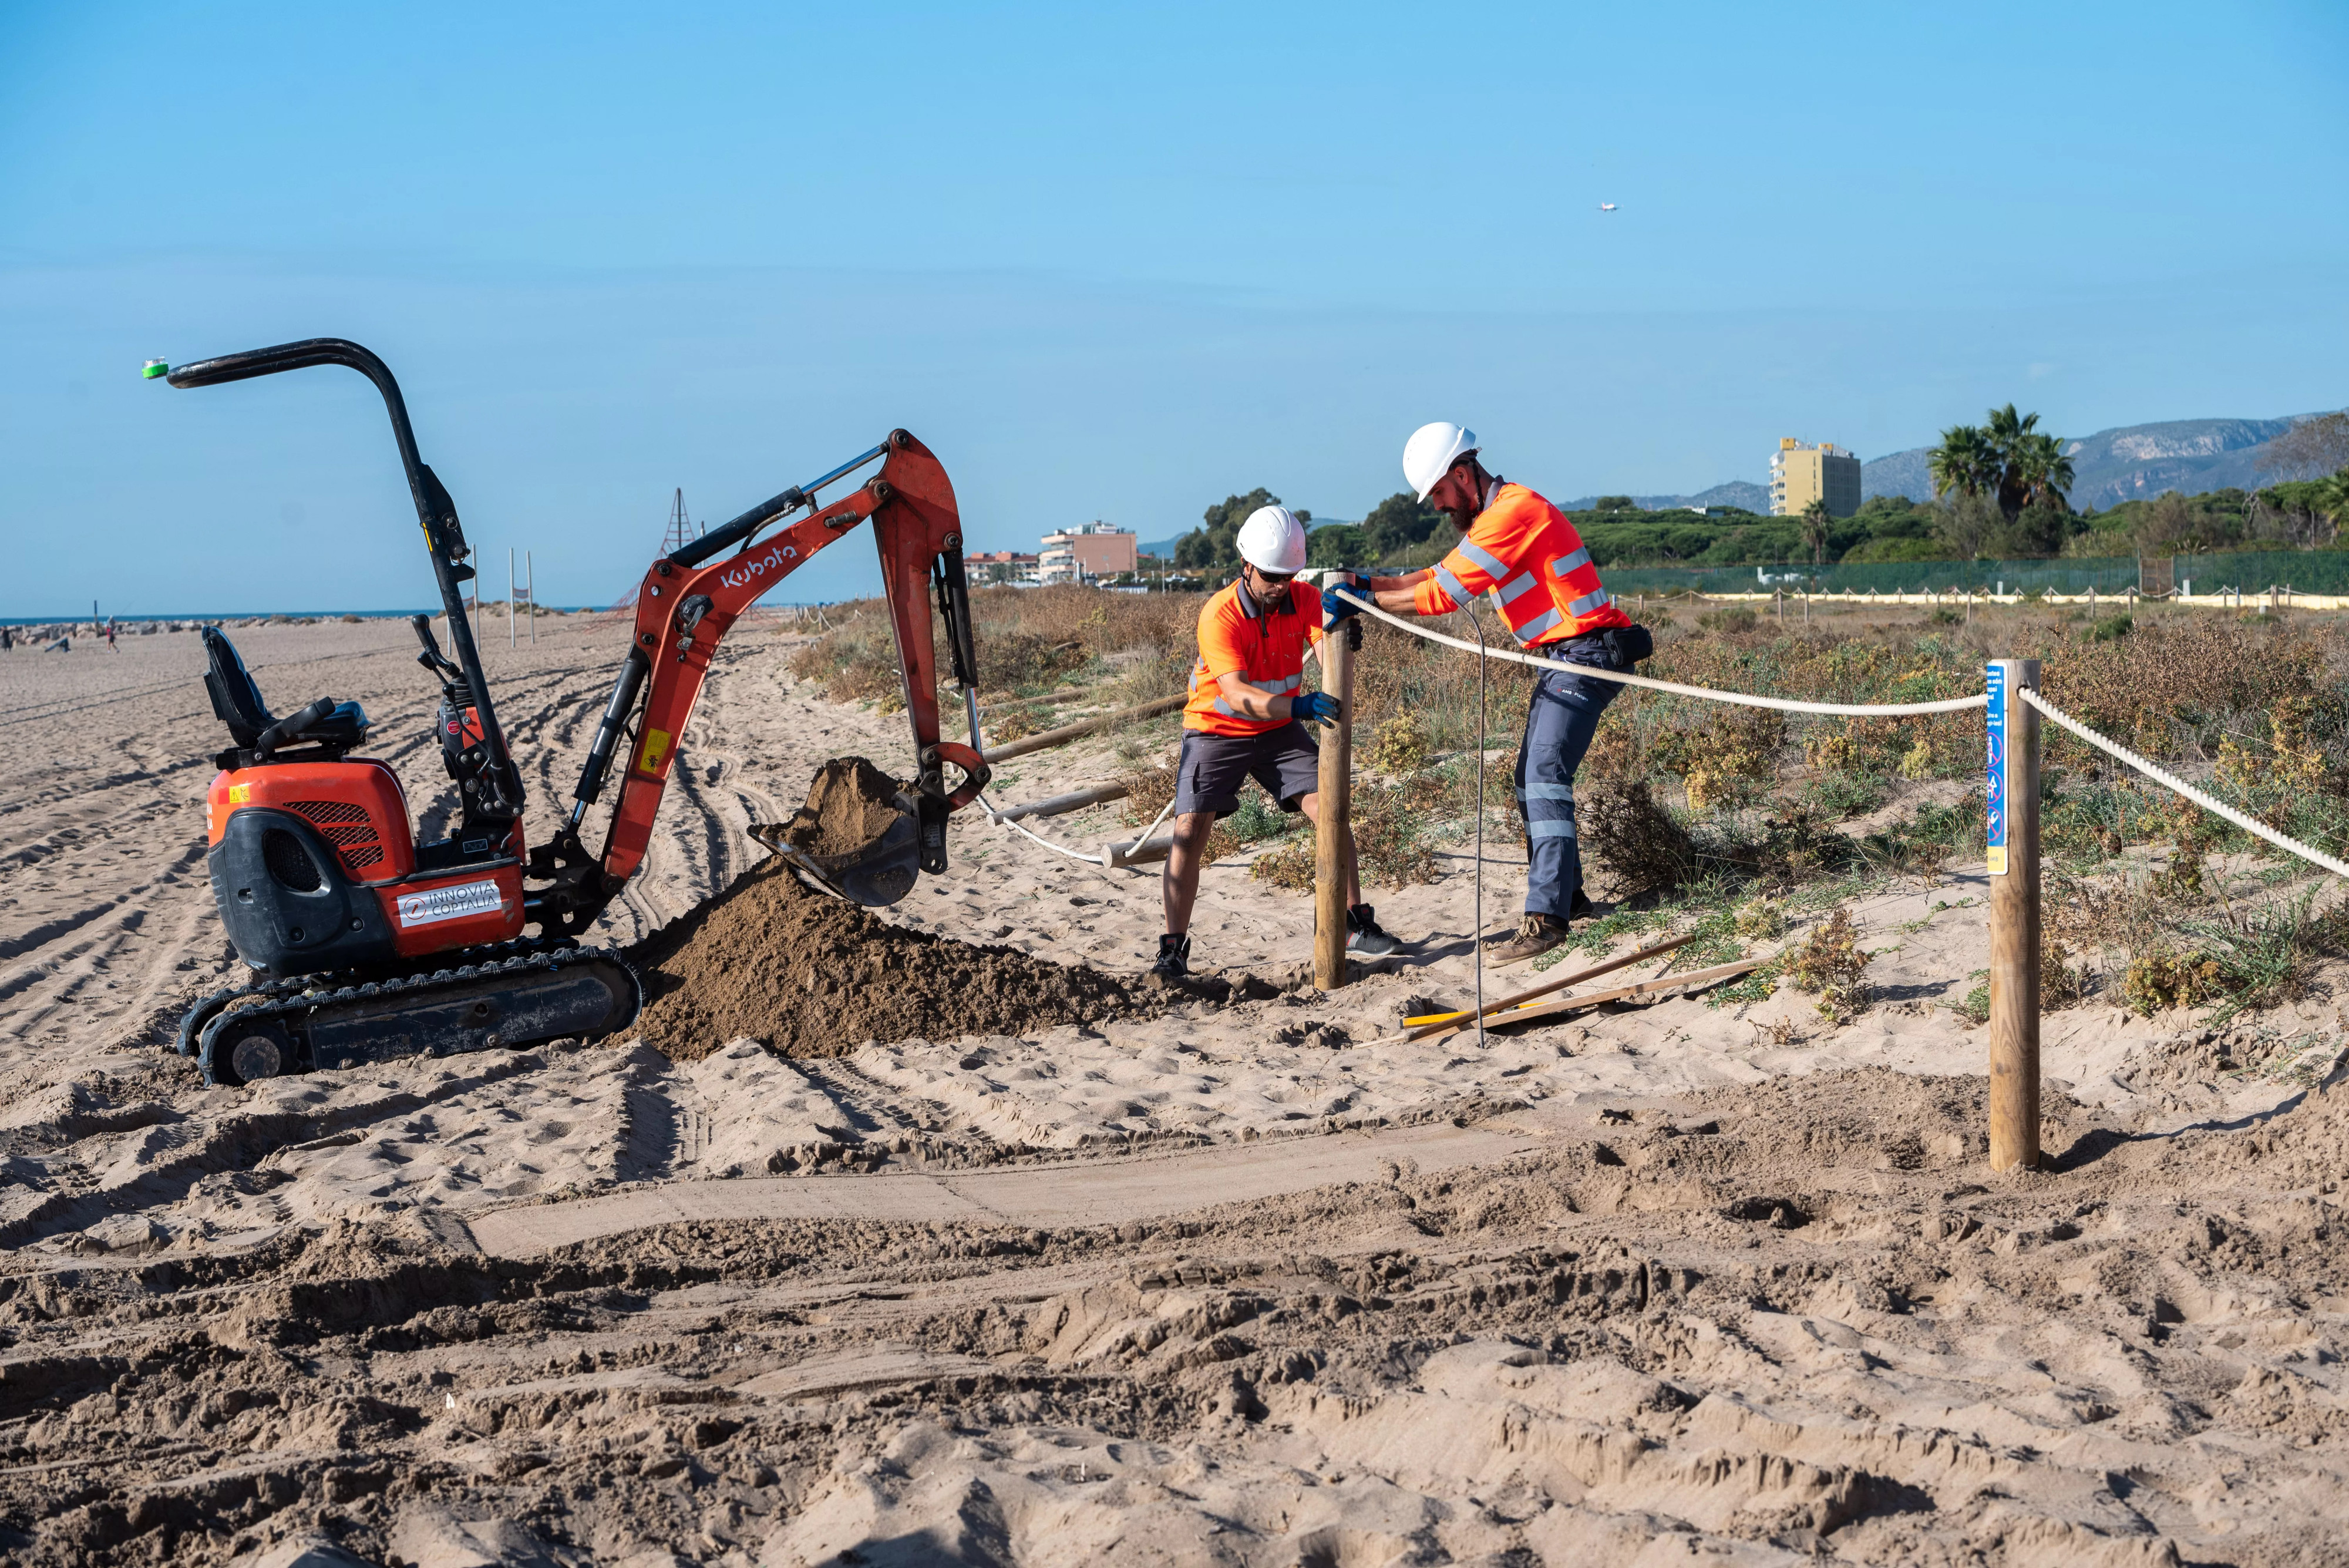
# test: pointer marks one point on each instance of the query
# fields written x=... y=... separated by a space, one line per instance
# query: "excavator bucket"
x=857 y=834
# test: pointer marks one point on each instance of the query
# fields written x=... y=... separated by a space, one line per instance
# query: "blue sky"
x=1109 y=262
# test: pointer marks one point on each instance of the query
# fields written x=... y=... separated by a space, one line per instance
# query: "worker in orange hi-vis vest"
x=1521 y=552
x=1242 y=721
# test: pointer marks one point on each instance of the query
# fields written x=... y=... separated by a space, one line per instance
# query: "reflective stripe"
x=1278 y=687
x=1450 y=586
x=1565 y=564
x=1549 y=791
x=1491 y=564
x=1560 y=829
x=1589 y=602
x=1541 y=623
x=1226 y=709
x=1518 y=586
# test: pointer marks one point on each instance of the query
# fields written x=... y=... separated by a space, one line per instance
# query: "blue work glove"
x=1335 y=607
x=1316 y=708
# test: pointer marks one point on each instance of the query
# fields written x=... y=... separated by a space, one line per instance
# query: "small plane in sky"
x=1606 y=206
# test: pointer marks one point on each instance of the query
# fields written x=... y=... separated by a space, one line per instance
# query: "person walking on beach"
x=109 y=635
x=1242 y=722
x=1523 y=551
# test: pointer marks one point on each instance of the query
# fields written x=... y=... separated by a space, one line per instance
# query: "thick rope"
x=2170 y=781
x=1057 y=849
x=970 y=712
x=1164 y=813
x=1596 y=672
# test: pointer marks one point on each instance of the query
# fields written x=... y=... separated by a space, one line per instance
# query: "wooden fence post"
x=2014 y=853
x=1332 y=832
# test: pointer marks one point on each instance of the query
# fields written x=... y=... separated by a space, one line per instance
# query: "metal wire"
x=1476 y=942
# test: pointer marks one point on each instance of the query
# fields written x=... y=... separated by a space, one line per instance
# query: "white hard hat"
x=1431 y=451
x=1273 y=540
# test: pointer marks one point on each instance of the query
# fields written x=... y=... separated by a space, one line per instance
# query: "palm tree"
x=2006 y=427
x=1816 y=521
x=2010 y=435
x=2009 y=458
x=1965 y=462
x=2040 y=471
x=2330 y=502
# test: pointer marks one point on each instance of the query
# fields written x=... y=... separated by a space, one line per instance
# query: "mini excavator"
x=372 y=946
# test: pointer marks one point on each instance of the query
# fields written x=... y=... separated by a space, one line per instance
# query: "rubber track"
x=554 y=957
x=192 y=1021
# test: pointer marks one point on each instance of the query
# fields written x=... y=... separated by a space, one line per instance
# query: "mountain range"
x=2130 y=462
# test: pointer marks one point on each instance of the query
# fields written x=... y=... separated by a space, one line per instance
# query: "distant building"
x=1801 y=474
x=1080 y=555
x=1000 y=567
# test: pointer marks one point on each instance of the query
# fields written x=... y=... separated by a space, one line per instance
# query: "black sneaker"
x=1363 y=935
x=1173 y=958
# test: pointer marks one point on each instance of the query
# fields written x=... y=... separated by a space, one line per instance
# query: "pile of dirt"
x=850 y=805
x=816 y=976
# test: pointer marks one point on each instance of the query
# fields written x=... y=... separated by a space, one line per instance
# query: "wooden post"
x=1332 y=833
x=2013 y=837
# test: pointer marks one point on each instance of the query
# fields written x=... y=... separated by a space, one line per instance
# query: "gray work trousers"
x=1560 y=722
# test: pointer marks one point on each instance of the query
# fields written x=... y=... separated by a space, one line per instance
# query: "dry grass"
x=1832 y=965
x=1684 y=792
x=1625 y=833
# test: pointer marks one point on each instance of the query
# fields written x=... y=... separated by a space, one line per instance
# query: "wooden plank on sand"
x=1565 y=1004
x=1576 y=978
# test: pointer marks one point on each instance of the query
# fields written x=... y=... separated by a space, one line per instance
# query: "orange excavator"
x=369 y=945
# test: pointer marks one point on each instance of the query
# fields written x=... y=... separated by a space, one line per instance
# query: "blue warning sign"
x=1994 y=829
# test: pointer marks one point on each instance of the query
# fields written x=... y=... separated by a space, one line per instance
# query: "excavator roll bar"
x=684 y=607
x=444 y=537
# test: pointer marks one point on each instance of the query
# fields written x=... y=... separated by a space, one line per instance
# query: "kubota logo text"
x=773 y=561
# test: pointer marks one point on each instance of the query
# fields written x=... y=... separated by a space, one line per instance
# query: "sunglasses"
x=1273 y=579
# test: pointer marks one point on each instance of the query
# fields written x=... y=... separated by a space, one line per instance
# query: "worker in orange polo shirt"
x=1242 y=722
x=1526 y=556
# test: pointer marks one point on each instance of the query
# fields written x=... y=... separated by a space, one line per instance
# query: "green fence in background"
x=2250 y=571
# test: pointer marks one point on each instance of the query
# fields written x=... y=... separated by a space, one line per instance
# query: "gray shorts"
x=1208 y=775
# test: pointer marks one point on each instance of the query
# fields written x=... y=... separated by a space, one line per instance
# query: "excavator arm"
x=684 y=608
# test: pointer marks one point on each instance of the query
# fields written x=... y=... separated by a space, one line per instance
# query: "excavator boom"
x=684 y=605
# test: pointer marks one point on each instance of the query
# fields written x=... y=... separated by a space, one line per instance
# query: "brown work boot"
x=1536 y=934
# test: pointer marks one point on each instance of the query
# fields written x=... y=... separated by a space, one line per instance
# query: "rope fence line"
x=1742 y=698
x=2013 y=708
x=2170 y=781
x=1623 y=678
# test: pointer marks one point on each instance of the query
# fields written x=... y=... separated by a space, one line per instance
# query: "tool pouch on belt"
x=1628 y=645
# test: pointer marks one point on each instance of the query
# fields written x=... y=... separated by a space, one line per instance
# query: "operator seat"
x=237 y=700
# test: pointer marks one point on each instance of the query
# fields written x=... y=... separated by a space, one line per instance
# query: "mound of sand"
x=813 y=976
x=850 y=805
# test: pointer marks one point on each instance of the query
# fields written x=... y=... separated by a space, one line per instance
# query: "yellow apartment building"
x=1801 y=474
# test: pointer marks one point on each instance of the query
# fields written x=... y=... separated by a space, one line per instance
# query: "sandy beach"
x=1232 y=1275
